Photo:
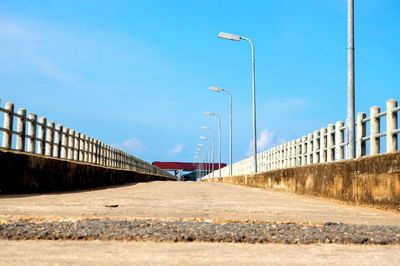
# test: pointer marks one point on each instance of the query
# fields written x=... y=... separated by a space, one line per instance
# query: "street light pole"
x=234 y=37
x=219 y=138
x=203 y=165
x=350 y=82
x=212 y=145
x=230 y=123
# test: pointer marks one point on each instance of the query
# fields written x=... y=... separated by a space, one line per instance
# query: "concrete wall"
x=22 y=172
x=28 y=133
x=373 y=180
x=379 y=131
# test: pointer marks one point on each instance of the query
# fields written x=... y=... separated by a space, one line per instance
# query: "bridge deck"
x=189 y=200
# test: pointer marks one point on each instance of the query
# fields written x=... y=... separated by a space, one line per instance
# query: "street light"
x=196 y=159
x=216 y=89
x=206 y=154
x=350 y=82
x=234 y=37
x=204 y=160
x=219 y=137
x=212 y=145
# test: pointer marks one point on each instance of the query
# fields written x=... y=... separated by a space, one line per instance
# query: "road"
x=226 y=210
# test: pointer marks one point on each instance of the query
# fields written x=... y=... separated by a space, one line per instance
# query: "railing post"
x=8 y=125
x=65 y=143
x=115 y=157
x=273 y=158
x=330 y=143
x=374 y=130
x=58 y=136
x=32 y=133
x=50 y=139
x=71 y=144
x=303 y=150
x=339 y=139
x=98 y=152
x=281 y=156
x=310 y=145
x=391 y=126
x=81 y=147
x=95 y=152
x=42 y=135
x=92 y=151
x=316 y=147
x=361 y=132
x=298 y=152
x=102 y=153
x=76 y=145
x=87 y=149
x=293 y=154
x=21 y=129
x=323 y=149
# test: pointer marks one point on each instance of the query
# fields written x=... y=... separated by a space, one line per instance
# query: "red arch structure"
x=181 y=166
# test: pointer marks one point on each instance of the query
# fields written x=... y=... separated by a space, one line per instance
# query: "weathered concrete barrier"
x=43 y=137
x=373 y=180
x=22 y=172
x=328 y=144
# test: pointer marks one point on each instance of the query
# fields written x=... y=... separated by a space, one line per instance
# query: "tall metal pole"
x=230 y=134
x=253 y=62
x=212 y=151
x=230 y=123
x=219 y=145
x=350 y=82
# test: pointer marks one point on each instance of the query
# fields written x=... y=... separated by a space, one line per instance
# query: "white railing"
x=328 y=144
x=40 y=136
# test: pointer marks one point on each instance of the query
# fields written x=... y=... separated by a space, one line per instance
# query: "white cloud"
x=132 y=145
x=264 y=141
x=176 y=150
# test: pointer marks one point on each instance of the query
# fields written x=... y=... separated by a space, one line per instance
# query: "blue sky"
x=135 y=73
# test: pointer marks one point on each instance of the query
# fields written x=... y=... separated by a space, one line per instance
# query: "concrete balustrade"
x=391 y=126
x=329 y=143
x=32 y=122
x=339 y=140
x=330 y=139
x=322 y=145
x=57 y=141
x=43 y=137
x=8 y=125
x=49 y=142
x=21 y=125
x=361 y=131
x=65 y=143
x=374 y=130
x=316 y=147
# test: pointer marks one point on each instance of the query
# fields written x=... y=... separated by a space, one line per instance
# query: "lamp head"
x=229 y=36
x=215 y=89
x=208 y=113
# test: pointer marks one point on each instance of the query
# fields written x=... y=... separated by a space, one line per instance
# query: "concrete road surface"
x=189 y=201
x=170 y=201
x=147 y=253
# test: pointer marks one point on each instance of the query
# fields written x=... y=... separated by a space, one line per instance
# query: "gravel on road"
x=188 y=231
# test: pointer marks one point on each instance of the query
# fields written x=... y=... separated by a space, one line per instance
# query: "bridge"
x=195 y=170
x=59 y=184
